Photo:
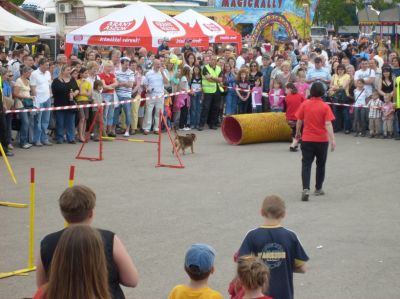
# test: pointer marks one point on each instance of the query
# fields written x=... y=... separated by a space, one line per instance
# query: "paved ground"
x=158 y=213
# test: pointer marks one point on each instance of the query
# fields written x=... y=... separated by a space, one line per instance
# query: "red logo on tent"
x=212 y=27
x=113 y=26
x=78 y=38
x=166 y=26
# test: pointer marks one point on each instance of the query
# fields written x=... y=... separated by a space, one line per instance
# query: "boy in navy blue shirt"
x=278 y=247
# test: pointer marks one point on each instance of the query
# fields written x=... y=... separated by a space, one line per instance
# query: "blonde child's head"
x=273 y=207
x=375 y=95
x=301 y=75
x=253 y=273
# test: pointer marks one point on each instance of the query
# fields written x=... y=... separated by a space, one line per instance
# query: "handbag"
x=340 y=97
x=28 y=103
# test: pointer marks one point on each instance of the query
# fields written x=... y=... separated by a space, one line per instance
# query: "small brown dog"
x=183 y=142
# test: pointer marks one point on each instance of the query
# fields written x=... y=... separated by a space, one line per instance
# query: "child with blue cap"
x=199 y=265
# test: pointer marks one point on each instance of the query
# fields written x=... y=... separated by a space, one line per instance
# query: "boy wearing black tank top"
x=278 y=247
x=77 y=207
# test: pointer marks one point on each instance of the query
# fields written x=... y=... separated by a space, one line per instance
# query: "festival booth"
x=215 y=32
x=136 y=25
x=12 y=25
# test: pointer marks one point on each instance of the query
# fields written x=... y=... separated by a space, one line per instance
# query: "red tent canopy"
x=136 y=25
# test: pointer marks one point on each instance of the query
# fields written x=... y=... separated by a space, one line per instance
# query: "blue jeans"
x=231 y=102
x=243 y=106
x=9 y=129
x=65 y=121
x=26 y=119
x=276 y=109
x=41 y=123
x=341 y=113
x=195 y=107
x=127 y=110
x=108 y=114
x=258 y=109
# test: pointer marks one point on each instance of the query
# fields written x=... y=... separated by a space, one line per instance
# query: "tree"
x=17 y=2
x=335 y=12
x=342 y=12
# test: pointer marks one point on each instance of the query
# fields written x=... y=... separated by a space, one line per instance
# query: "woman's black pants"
x=311 y=150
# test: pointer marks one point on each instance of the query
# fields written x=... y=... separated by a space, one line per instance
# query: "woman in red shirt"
x=109 y=85
x=317 y=117
x=293 y=101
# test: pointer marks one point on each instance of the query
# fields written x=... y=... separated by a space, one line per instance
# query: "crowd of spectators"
x=359 y=77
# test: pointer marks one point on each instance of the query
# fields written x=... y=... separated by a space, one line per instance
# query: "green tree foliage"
x=17 y=2
x=342 y=12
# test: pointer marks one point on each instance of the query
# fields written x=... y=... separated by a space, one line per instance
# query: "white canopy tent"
x=13 y=25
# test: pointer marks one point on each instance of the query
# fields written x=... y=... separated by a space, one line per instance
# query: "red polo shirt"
x=315 y=113
x=293 y=102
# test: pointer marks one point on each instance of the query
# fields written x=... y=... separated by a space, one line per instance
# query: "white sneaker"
x=126 y=134
x=186 y=129
x=27 y=145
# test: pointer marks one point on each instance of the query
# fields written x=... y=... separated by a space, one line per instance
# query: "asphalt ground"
x=352 y=234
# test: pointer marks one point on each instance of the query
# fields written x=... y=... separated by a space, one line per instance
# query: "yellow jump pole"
x=31 y=266
x=31 y=219
x=13 y=204
x=10 y=171
x=70 y=183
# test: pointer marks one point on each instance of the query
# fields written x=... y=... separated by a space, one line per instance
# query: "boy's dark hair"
x=76 y=203
x=273 y=207
x=317 y=90
x=195 y=274
x=97 y=83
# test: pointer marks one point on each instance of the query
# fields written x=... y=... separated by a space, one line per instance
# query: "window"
x=77 y=17
x=50 y=18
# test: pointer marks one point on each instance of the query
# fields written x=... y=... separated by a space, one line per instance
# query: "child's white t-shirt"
x=360 y=97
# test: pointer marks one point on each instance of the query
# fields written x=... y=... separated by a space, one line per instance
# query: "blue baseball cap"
x=200 y=255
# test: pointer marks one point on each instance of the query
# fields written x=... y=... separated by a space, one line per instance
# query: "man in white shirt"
x=125 y=78
x=40 y=81
x=154 y=81
x=367 y=74
x=241 y=60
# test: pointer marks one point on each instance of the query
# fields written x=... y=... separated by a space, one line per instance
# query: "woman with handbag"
x=339 y=94
x=22 y=91
x=65 y=89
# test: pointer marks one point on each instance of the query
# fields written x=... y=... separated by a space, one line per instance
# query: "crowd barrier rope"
x=133 y=100
x=30 y=266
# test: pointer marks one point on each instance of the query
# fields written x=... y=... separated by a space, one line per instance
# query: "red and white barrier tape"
x=77 y=106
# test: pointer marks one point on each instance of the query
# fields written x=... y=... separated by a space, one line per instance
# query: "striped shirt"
x=127 y=76
x=375 y=108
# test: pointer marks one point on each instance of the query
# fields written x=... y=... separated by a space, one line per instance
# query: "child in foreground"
x=199 y=265
x=253 y=276
x=278 y=247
